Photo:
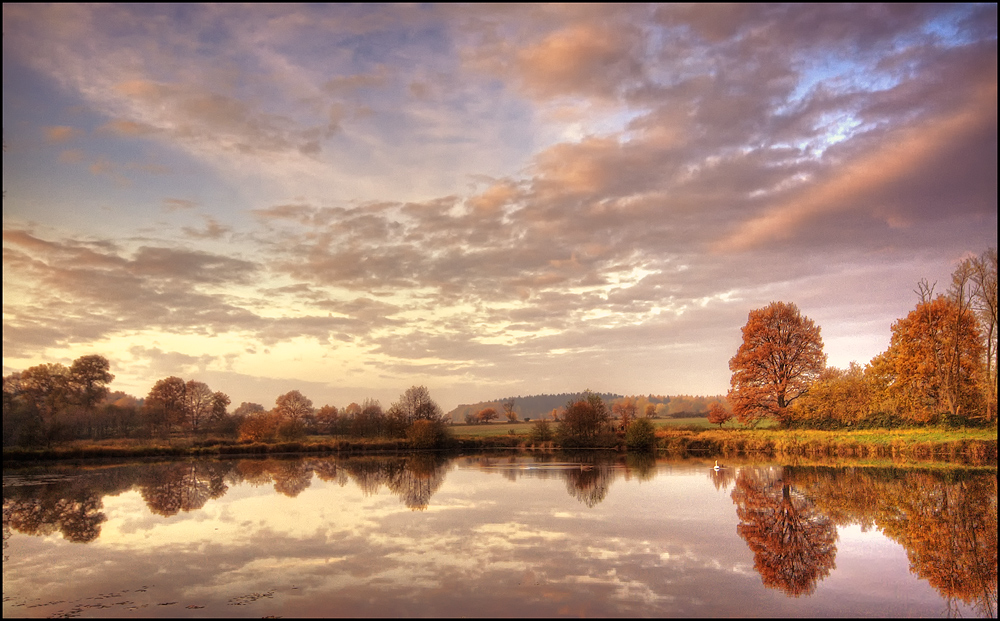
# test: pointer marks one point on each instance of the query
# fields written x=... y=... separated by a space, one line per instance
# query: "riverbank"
x=967 y=446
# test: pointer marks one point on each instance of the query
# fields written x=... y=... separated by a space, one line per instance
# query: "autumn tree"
x=220 y=405
x=88 y=380
x=247 y=408
x=781 y=355
x=487 y=415
x=198 y=401
x=417 y=416
x=625 y=410
x=718 y=415
x=293 y=406
x=165 y=402
x=508 y=410
x=931 y=365
x=368 y=419
x=585 y=421
x=258 y=426
x=839 y=397
x=328 y=419
x=413 y=405
x=45 y=388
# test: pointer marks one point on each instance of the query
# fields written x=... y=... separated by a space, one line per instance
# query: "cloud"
x=457 y=192
x=213 y=230
x=62 y=133
x=173 y=204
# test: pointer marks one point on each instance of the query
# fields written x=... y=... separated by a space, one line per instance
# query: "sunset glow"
x=485 y=200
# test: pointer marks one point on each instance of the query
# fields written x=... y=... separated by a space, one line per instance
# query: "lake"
x=519 y=534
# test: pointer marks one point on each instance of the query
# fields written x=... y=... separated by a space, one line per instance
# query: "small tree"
x=486 y=415
x=641 y=435
x=718 y=415
x=427 y=434
x=585 y=421
x=293 y=405
x=541 y=431
x=328 y=419
x=508 y=410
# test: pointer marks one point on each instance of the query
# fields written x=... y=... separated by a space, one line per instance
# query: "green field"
x=500 y=429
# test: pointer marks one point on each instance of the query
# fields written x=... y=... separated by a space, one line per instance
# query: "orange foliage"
x=781 y=355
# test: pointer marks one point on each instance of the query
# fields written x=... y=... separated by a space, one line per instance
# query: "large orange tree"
x=781 y=355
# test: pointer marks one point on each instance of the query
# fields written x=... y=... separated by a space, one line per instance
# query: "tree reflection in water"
x=947 y=523
x=792 y=541
x=722 y=478
x=185 y=486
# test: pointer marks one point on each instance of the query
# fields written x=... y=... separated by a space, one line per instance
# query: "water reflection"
x=794 y=544
x=783 y=520
x=946 y=522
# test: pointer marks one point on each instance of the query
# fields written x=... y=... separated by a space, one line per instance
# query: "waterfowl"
x=717 y=466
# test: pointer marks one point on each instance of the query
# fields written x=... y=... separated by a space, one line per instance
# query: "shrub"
x=291 y=429
x=541 y=431
x=640 y=435
x=425 y=434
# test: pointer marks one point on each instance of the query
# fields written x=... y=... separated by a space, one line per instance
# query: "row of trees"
x=414 y=415
x=52 y=403
x=940 y=367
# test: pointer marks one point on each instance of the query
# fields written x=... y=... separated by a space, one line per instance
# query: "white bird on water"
x=717 y=466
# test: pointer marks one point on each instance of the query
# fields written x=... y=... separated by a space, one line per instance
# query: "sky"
x=349 y=200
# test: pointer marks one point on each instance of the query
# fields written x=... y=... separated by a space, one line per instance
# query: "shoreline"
x=965 y=447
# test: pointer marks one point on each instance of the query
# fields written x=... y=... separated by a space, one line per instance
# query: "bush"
x=425 y=434
x=640 y=436
x=541 y=431
x=291 y=430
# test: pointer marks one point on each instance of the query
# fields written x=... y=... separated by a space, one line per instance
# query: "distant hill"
x=539 y=406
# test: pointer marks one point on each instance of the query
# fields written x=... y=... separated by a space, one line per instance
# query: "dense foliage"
x=940 y=367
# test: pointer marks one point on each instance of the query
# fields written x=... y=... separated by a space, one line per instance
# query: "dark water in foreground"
x=497 y=536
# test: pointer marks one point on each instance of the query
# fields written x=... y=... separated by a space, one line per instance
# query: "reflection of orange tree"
x=184 y=486
x=948 y=527
x=290 y=476
x=950 y=535
x=793 y=543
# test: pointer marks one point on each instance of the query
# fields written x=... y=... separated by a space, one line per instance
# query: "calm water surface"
x=518 y=535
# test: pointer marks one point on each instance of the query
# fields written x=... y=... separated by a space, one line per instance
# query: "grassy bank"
x=678 y=437
x=134 y=449
x=973 y=446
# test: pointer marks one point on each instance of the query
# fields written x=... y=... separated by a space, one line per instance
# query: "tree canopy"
x=781 y=355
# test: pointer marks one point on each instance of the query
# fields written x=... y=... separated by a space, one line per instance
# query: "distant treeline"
x=50 y=404
x=534 y=407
